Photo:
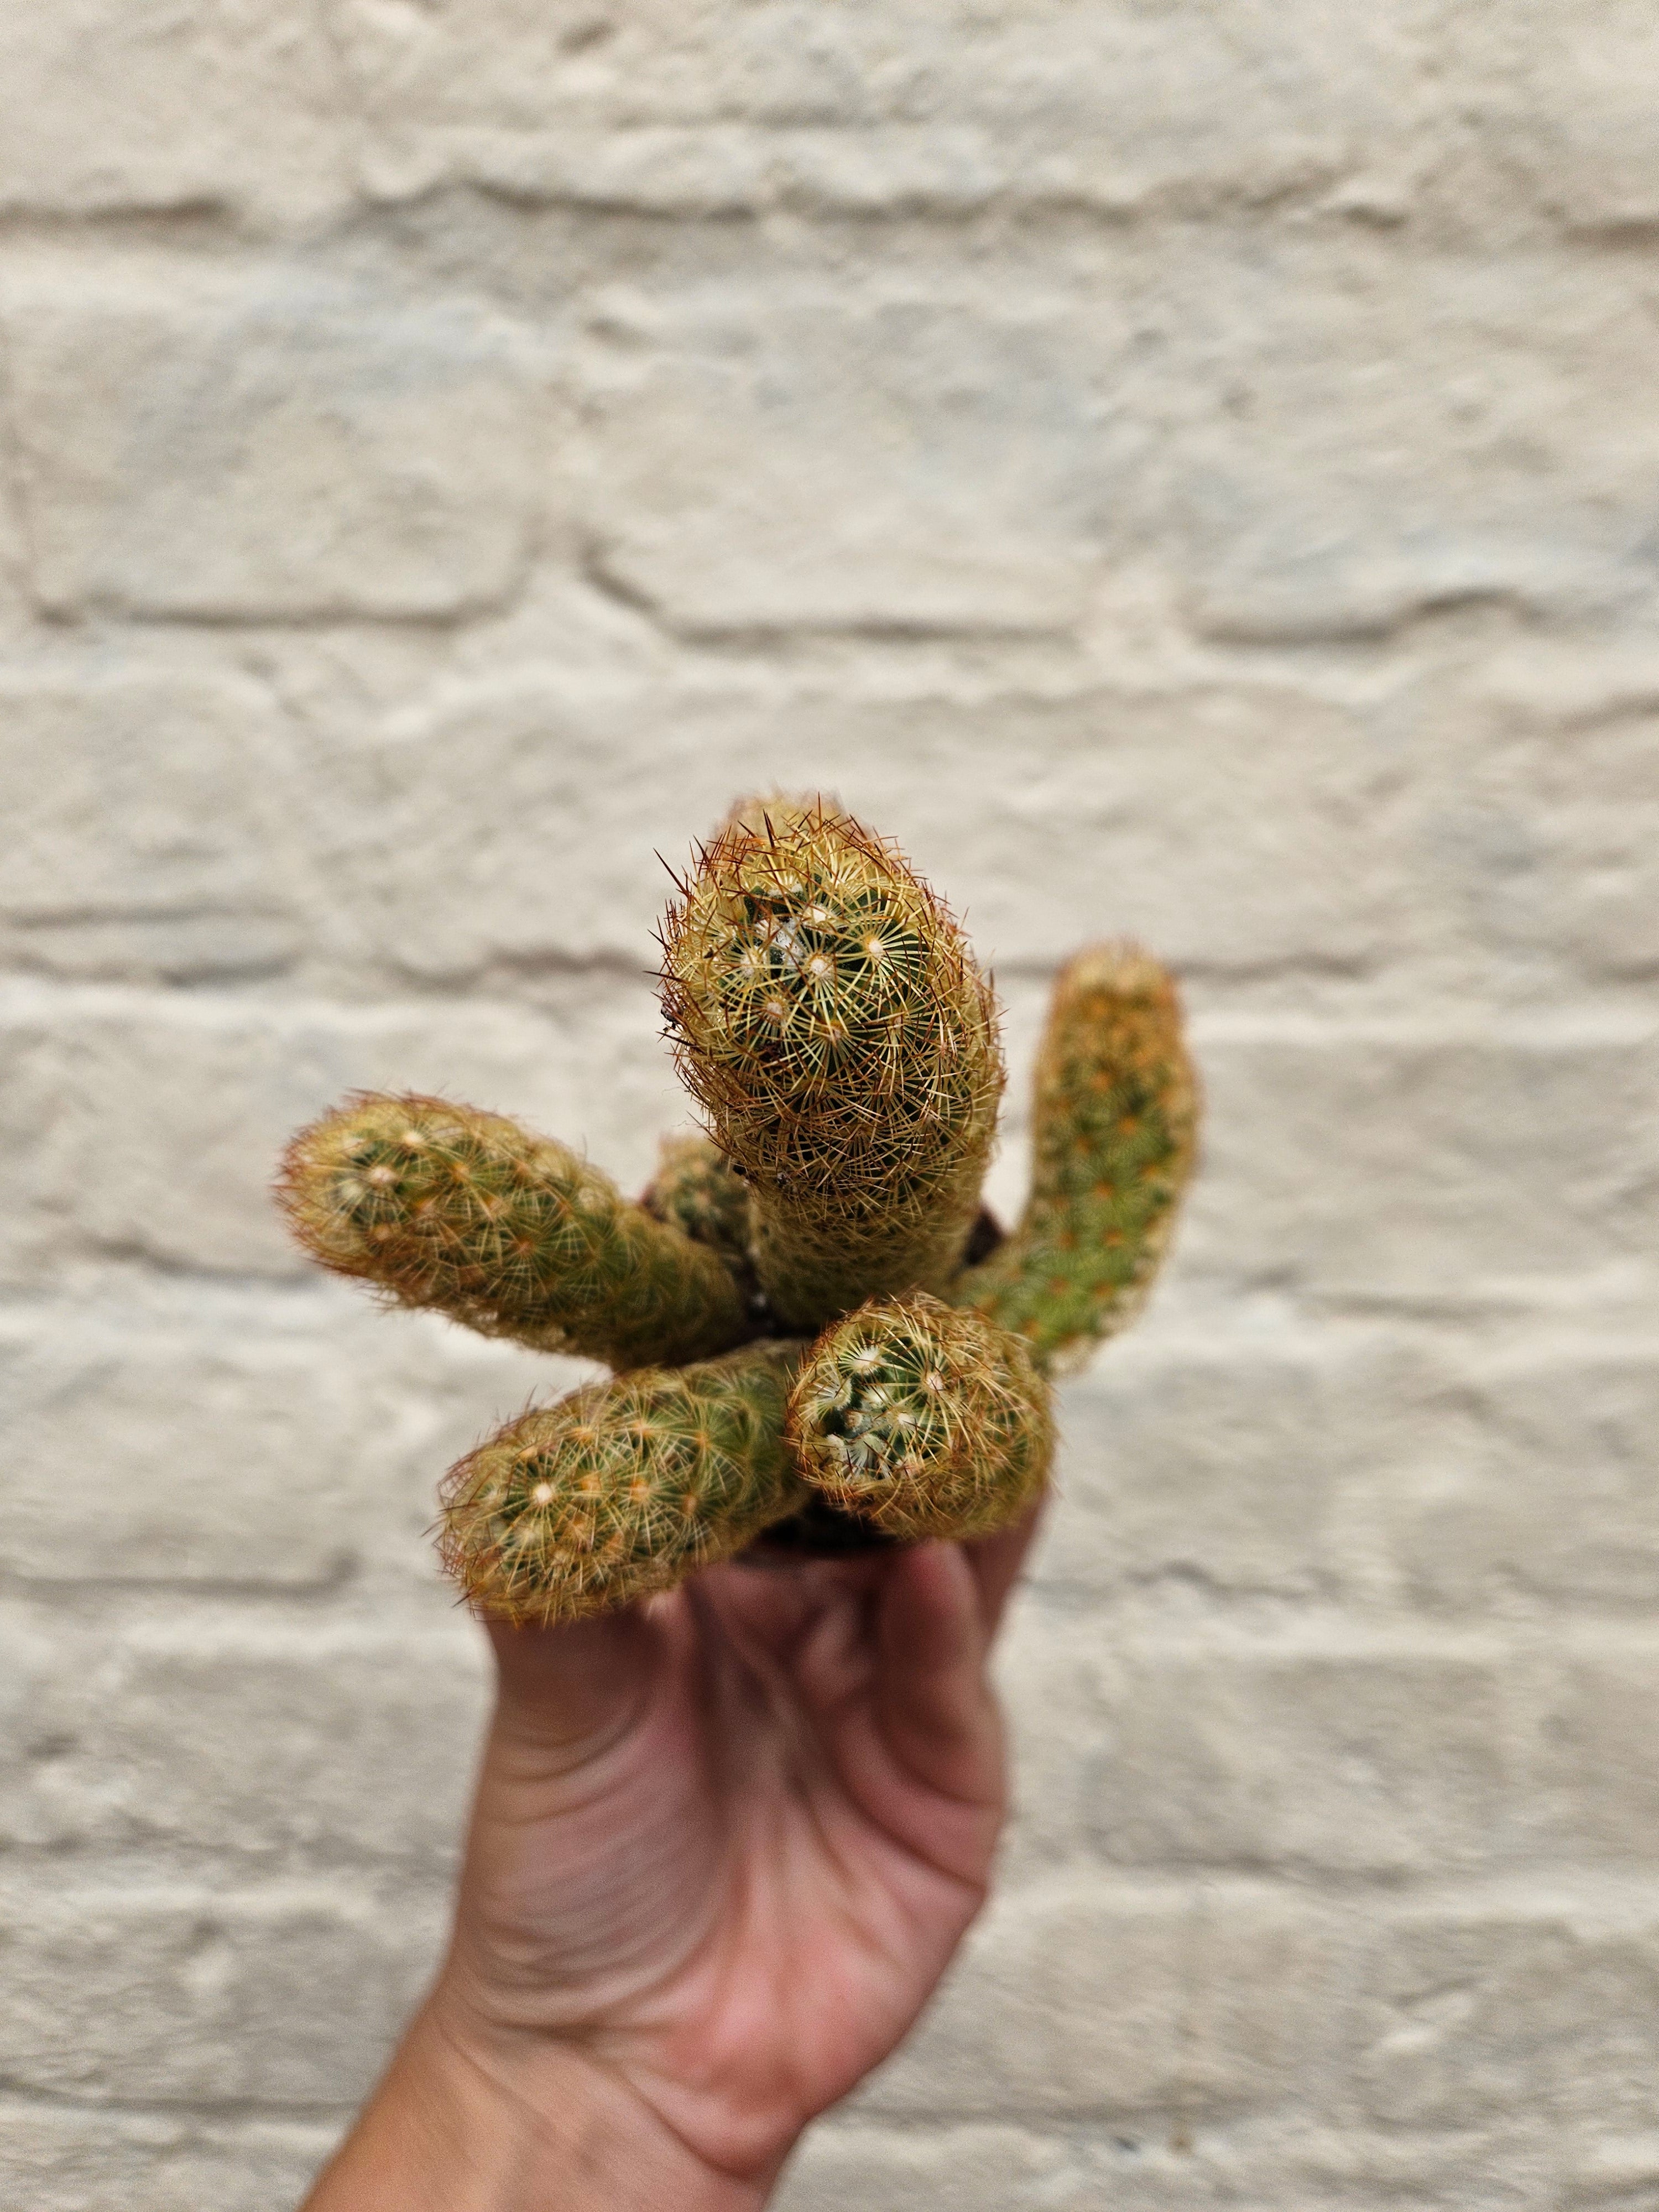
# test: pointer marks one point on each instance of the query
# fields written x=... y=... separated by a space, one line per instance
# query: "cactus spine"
x=830 y=1021
x=446 y=1207
x=1115 y=1118
x=624 y=1487
x=924 y=1419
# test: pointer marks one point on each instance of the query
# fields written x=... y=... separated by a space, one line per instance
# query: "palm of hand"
x=724 y=1847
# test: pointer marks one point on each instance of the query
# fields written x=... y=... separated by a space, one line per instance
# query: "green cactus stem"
x=1114 y=1120
x=624 y=1487
x=695 y=1190
x=829 y=1019
x=923 y=1418
x=443 y=1207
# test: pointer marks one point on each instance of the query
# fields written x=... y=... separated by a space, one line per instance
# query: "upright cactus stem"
x=829 y=1019
x=1114 y=1123
x=442 y=1205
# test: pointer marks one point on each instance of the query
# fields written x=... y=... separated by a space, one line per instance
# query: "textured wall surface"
x=1185 y=466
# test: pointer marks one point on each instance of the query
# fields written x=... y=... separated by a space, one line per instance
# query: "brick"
x=1298 y=2168
x=256 y=1449
x=1160 y=2164
x=1246 y=828
x=1519 y=804
x=15 y=611
x=29 y=1737
x=922 y=108
x=1513 y=2010
x=1079 y=1999
x=1175 y=2166
x=841 y=2168
x=1372 y=1763
x=81 y=2161
x=109 y=105
x=188 y=1996
x=1561 y=822
x=1224 y=1460
x=1485 y=121
x=1596 y=1779
x=31 y=1149
x=683 y=110
x=1562 y=106
x=836 y=460
x=1054 y=820
x=150 y=818
x=1449 y=1136
x=310 y=1742
x=269 y=449
x=1060 y=1680
x=157 y=1121
x=1230 y=814
x=1509 y=2167
x=793 y=452
x=1319 y=493
x=800 y=460
x=1536 y=1484
x=1617 y=2176
x=185 y=1464
x=514 y=824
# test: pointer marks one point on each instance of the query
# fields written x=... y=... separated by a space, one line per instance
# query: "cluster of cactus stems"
x=820 y=1341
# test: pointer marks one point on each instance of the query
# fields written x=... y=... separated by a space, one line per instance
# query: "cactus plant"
x=820 y=1340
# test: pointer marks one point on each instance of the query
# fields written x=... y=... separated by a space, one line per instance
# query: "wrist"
x=459 y=2126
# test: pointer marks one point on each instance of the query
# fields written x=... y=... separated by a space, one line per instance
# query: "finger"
x=785 y=1610
x=933 y=1697
x=572 y=1688
x=996 y=1561
x=802 y=1634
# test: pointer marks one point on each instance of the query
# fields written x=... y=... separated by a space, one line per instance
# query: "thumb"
x=573 y=1689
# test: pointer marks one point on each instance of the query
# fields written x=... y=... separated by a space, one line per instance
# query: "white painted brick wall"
x=1183 y=467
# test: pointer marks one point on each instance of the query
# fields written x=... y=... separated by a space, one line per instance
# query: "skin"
x=723 y=1847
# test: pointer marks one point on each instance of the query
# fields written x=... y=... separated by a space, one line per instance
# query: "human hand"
x=723 y=1847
